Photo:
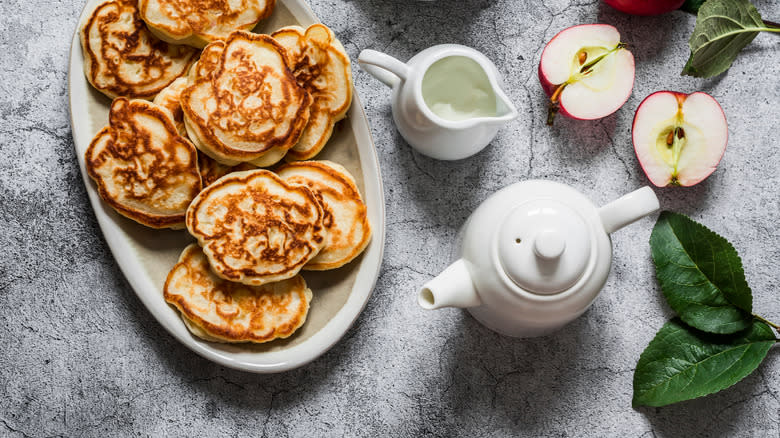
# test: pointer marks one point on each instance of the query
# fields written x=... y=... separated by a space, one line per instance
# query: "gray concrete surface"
x=81 y=356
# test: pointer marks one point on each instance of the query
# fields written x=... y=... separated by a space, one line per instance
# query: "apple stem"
x=555 y=103
x=551 y=112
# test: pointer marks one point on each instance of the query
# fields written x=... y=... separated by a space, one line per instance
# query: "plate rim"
x=327 y=336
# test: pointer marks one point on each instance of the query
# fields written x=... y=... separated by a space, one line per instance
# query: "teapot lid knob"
x=544 y=246
x=549 y=244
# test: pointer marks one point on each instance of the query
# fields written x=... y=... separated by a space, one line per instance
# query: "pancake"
x=208 y=62
x=211 y=170
x=243 y=103
x=142 y=167
x=199 y=22
x=255 y=228
x=321 y=66
x=222 y=311
x=273 y=156
x=205 y=67
x=121 y=56
x=346 y=217
x=168 y=99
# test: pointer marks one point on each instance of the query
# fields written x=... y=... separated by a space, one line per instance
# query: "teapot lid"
x=544 y=246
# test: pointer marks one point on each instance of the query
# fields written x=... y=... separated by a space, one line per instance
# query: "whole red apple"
x=645 y=7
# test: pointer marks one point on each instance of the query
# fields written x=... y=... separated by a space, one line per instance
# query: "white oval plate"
x=145 y=255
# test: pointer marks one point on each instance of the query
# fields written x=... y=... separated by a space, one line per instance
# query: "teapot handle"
x=383 y=67
x=628 y=209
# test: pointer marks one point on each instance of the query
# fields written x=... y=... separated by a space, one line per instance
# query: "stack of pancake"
x=187 y=137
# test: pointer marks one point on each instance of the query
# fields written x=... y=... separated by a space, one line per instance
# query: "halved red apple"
x=587 y=72
x=645 y=7
x=679 y=138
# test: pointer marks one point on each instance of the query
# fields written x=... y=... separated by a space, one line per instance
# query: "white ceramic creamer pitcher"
x=447 y=100
x=534 y=256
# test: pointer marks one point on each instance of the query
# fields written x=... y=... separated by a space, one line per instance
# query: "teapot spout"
x=452 y=288
x=628 y=209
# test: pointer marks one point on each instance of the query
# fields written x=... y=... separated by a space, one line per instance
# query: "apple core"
x=670 y=144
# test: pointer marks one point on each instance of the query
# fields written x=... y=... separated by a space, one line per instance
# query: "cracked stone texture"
x=82 y=357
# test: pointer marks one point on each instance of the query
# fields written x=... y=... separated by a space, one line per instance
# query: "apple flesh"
x=645 y=7
x=587 y=72
x=679 y=138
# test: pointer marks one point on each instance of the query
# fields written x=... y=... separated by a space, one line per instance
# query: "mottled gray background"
x=81 y=356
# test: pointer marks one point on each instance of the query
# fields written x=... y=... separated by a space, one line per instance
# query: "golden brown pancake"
x=205 y=67
x=255 y=228
x=121 y=56
x=243 y=102
x=208 y=63
x=273 y=156
x=142 y=167
x=199 y=22
x=321 y=66
x=168 y=99
x=222 y=311
x=211 y=170
x=346 y=217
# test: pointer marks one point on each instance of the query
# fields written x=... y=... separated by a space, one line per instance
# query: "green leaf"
x=701 y=275
x=691 y=70
x=723 y=29
x=692 y=6
x=682 y=363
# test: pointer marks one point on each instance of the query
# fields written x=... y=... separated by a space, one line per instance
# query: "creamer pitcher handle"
x=383 y=67
x=628 y=209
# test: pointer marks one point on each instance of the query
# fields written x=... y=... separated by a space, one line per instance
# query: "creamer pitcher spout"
x=452 y=288
x=505 y=109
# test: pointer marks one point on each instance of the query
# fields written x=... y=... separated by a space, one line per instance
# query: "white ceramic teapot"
x=534 y=256
x=447 y=100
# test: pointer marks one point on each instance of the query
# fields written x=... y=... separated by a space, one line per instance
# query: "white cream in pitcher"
x=457 y=88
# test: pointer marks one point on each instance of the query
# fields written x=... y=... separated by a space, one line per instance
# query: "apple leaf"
x=723 y=29
x=692 y=6
x=701 y=275
x=682 y=363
